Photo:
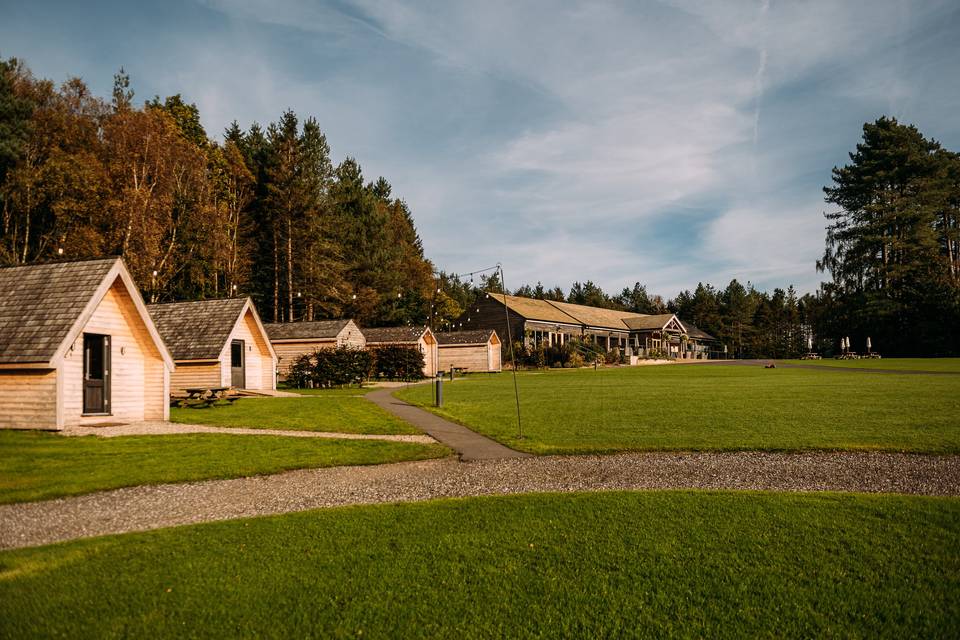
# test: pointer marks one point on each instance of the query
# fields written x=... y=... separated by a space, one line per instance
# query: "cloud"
x=670 y=142
x=768 y=243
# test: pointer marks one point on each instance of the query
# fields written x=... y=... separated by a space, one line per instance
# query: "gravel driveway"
x=150 y=507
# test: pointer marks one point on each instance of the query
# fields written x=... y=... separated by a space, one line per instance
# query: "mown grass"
x=349 y=392
x=896 y=364
x=707 y=407
x=658 y=564
x=37 y=466
x=336 y=410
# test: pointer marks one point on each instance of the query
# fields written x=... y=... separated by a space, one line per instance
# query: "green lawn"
x=337 y=410
x=708 y=407
x=656 y=564
x=899 y=364
x=349 y=392
x=36 y=466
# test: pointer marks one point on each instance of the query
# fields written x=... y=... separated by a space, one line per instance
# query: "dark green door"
x=96 y=373
x=237 y=373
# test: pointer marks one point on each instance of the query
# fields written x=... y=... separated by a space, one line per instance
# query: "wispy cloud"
x=669 y=142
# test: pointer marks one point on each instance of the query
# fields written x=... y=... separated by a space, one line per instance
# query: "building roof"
x=596 y=316
x=197 y=330
x=39 y=304
x=658 y=321
x=473 y=336
x=579 y=314
x=696 y=333
x=533 y=309
x=316 y=330
x=394 y=335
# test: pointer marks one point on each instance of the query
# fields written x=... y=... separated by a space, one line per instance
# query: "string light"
x=60 y=251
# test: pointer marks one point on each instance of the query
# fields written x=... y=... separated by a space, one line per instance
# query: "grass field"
x=656 y=564
x=337 y=410
x=898 y=364
x=36 y=466
x=349 y=392
x=706 y=407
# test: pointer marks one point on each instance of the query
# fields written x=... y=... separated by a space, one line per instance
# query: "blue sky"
x=663 y=142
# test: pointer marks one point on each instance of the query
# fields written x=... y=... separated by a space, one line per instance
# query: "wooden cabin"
x=472 y=351
x=78 y=347
x=216 y=343
x=535 y=322
x=293 y=339
x=420 y=337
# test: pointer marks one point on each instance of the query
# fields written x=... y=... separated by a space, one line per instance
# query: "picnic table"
x=198 y=393
x=205 y=396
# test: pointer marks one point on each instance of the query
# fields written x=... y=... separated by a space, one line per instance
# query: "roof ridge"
x=48 y=263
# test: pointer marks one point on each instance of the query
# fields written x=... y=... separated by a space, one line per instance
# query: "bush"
x=327 y=368
x=398 y=363
x=559 y=355
x=614 y=356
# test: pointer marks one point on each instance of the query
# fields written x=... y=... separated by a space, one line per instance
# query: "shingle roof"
x=40 y=303
x=694 y=332
x=395 y=335
x=533 y=309
x=649 y=322
x=196 y=330
x=567 y=312
x=317 y=329
x=596 y=316
x=474 y=336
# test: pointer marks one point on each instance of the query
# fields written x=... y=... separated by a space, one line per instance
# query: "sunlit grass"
x=707 y=407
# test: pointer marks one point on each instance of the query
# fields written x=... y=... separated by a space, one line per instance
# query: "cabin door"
x=96 y=373
x=238 y=378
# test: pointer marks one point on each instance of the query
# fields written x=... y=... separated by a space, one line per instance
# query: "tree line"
x=265 y=213
x=892 y=252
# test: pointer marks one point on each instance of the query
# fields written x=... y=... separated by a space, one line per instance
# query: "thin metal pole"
x=513 y=357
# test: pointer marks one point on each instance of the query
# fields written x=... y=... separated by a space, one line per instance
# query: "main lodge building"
x=553 y=323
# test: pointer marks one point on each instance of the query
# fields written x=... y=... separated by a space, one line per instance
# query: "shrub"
x=559 y=355
x=398 y=362
x=613 y=356
x=327 y=368
x=300 y=374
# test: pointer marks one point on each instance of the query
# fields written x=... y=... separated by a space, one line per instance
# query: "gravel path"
x=150 y=507
x=168 y=428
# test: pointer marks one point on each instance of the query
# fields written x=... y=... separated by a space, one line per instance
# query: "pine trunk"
x=289 y=269
x=276 y=277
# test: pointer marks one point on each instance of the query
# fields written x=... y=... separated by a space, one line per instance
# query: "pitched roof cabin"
x=552 y=323
x=216 y=343
x=78 y=347
x=419 y=337
x=293 y=339
x=472 y=351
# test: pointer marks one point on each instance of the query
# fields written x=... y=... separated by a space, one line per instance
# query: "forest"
x=267 y=213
